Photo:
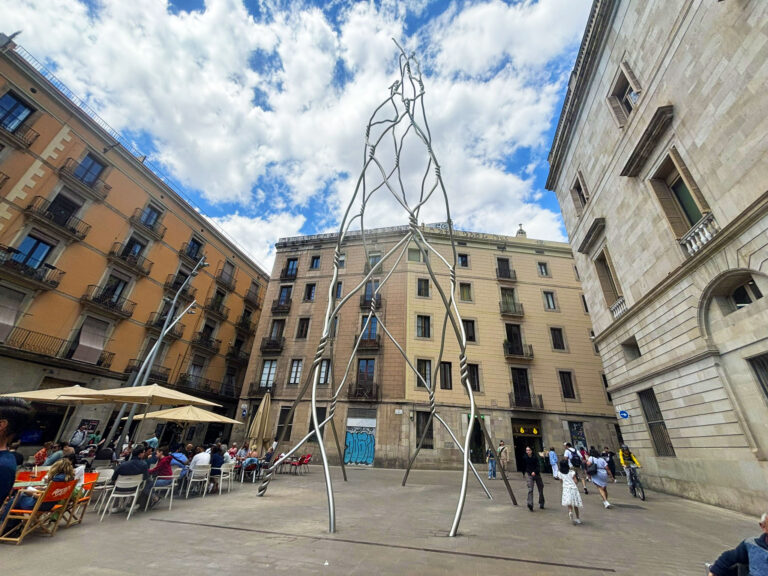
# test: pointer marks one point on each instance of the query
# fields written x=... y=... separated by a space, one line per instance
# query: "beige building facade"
x=93 y=246
x=659 y=165
x=536 y=375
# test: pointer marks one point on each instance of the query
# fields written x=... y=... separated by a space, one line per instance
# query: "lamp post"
x=140 y=377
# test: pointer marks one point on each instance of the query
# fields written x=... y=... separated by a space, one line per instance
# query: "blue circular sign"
x=624 y=414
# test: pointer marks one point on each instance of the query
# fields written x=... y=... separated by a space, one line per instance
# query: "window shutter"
x=93 y=335
x=583 y=183
x=689 y=181
x=604 y=275
x=10 y=303
x=631 y=78
x=577 y=202
x=618 y=112
x=670 y=207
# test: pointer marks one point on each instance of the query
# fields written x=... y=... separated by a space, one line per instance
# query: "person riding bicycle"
x=627 y=459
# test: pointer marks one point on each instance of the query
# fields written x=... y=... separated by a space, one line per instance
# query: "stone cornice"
x=662 y=119
x=595 y=230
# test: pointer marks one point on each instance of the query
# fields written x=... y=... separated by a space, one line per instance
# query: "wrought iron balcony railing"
x=252 y=297
x=246 y=324
x=3 y=179
x=156 y=322
x=506 y=274
x=511 y=308
x=198 y=383
x=106 y=301
x=520 y=351
x=364 y=390
x=289 y=273
x=258 y=389
x=206 y=342
x=123 y=255
x=281 y=306
x=237 y=354
x=225 y=279
x=526 y=401
x=215 y=307
x=153 y=227
x=37 y=342
x=96 y=188
x=366 y=300
x=15 y=264
x=18 y=135
x=40 y=210
x=174 y=281
x=272 y=345
x=191 y=252
x=368 y=343
x=156 y=373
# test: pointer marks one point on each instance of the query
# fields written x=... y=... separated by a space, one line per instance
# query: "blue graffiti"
x=359 y=448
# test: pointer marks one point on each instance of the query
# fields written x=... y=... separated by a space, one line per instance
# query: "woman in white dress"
x=571 y=496
x=600 y=474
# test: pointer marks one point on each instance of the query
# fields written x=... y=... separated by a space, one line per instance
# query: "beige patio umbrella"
x=258 y=438
x=152 y=394
x=186 y=414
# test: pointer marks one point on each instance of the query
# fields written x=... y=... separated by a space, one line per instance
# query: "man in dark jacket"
x=753 y=552
x=532 y=472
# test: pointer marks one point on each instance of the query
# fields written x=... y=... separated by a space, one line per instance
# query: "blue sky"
x=256 y=109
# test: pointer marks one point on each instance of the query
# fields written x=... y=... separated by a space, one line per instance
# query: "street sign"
x=624 y=414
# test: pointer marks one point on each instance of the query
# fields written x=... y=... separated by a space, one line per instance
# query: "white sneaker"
x=577 y=521
x=570 y=515
x=607 y=504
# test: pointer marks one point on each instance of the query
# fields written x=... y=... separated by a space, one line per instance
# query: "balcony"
x=3 y=179
x=368 y=300
x=518 y=352
x=237 y=355
x=155 y=322
x=215 y=307
x=172 y=284
x=272 y=345
x=195 y=383
x=511 y=308
x=245 y=324
x=95 y=189
x=106 y=302
x=252 y=297
x=35 y=342
x=377 y=267
x=257 y=389
x=20 y=137
x=206 y=343
x=121 y=255
x=191 y=252
x=104 y=361
x=42 y=277
x=154 y=229
x=368 y=343
x=618 y=308
x=225 y=279
x=526 y=402
x=288 y=273
x=506 y=274
x=73 y=228
x=156 y=373
x=700 y=235
x=363 y=390
x=281 y=306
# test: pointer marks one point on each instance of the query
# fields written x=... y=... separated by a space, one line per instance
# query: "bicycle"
x=635 y=486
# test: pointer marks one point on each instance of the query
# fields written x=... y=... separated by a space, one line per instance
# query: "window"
x=558 y=340
x=89 y=169
x=374 y=259
x=520 y=388
x=656 y=426
x=446 y=376
x=133 y=249
x=196 y=367
x=295 y=377
x=422 y=327
x=150 y=216
x=605 y=386
x=283 y=424
x=218 y=299
x=473 y=375
x=90 y=341
x=414 y=255
x=469 y=330
x=278 y=326
x=113 y=291
x=502 y=268
x=62 y=208
x=284 y=297
x=370 y=289
x=624 y=95
x=32 y=251
x=422 y=287
x=566 y=384
x=342 y=260
x=369 y=327
x=13 y=111
x=309 y=293
x=302 y=328
x=464 y=260
x=424 y=427
x=543 y=268
x=325 y=372
x=365 y=370
x=584 y=304
x=334 y=326
x=268 y=369
x=424 y=368
x=679 y=197
x=549 y=301
x=745 y=294
x=314 y=263
x=193 y=248
x=465 y=291
x=322 y=412
x=604 y=269
x=339 y=288
x=292 y=266
x=579 y=195
x=592 y=339
x=508 y=303
x=631 y=349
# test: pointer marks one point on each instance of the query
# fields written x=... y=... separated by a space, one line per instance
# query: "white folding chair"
x=129 y=487
x=200 y=475
x=227 y=471
x=101 y=488
x=166 y=488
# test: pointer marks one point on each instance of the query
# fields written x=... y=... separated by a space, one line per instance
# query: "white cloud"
x=276 y=138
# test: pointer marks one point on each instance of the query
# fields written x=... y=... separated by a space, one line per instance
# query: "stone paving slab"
x=384 y=528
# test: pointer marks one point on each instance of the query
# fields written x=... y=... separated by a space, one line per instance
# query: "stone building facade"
x=536 y=374
x=660 y=166
x=93 y=245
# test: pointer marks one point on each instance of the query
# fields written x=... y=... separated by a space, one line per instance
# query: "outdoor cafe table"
x=27 y=484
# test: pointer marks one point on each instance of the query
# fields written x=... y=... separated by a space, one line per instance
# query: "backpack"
x=592 y=469
x=575 y=459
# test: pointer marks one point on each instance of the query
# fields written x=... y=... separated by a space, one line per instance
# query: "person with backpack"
x=490 y=458
x=597 y=468
x=575 y=461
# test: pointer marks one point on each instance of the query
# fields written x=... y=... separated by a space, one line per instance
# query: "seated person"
x=217 y=461
x=162 y=472
x=106 y=453
x=242 y=454
x=61 y=471
x=42 y=454
x=56 y=455
x=233 y=450
x=136 y=465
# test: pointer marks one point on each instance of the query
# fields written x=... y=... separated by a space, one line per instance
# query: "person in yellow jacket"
x=627 y=459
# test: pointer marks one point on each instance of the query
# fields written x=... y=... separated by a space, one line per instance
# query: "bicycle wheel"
x=639 y=491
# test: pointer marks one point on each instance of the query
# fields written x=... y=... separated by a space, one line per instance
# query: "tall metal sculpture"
x=400 y=118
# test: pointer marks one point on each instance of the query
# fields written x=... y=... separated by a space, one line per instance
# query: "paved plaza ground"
x=383 y=528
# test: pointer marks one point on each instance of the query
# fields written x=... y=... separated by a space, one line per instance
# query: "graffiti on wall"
x=360 y=441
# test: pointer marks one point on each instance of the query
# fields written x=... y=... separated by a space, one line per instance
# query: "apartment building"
x=536 y=375
x=93 y=248
x=659 y=165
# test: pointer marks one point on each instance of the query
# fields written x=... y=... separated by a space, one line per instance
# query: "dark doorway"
x=477 y=443
x=527 y=433
x=515 y=339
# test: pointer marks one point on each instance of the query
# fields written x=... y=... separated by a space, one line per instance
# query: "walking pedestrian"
x=571 y=498
x=609 y=457
x=598 y=469
x=553 y=461
x=575 y=461
x=503 y=455
x=533 y=476
x=490 y=457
